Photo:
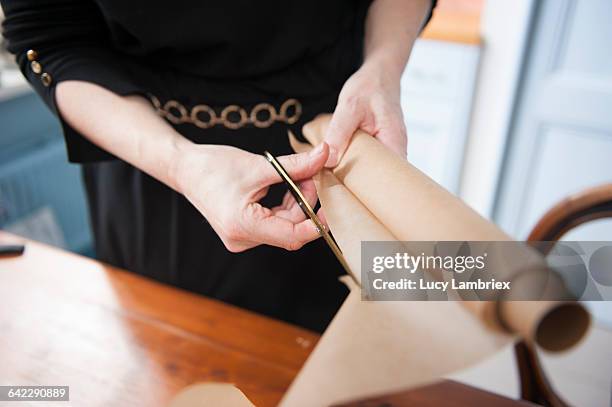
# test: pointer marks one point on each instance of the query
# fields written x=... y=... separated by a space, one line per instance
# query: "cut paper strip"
x=379 y=347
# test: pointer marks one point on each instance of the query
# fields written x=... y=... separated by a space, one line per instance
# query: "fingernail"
x=317 y=150
x=332 y=159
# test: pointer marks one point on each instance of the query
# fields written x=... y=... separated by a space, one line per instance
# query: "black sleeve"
x=68 y=40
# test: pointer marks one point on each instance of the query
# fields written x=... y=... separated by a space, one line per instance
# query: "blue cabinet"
x=41 y=194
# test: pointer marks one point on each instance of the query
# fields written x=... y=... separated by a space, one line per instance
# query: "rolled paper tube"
x=552 y=324
x=413 y=207
x=376 y=347
x=409 y=203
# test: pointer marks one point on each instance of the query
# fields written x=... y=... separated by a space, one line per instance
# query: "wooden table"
x=118 y=339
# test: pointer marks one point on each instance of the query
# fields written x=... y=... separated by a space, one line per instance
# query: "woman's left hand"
x=370 y=101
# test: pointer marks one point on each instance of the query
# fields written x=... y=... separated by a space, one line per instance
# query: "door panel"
x=561 y=141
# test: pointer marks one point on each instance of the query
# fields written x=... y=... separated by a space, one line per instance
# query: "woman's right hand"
x=226 y=184
x=223 y=183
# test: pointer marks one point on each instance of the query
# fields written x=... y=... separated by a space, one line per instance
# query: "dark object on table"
x=11 y=250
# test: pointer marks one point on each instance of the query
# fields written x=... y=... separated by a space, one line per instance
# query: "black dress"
x=181 y=55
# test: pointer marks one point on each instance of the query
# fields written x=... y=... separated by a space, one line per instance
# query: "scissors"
x=310 y=213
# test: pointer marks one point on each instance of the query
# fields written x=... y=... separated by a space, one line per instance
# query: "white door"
x=561 y=141
x=562 y=136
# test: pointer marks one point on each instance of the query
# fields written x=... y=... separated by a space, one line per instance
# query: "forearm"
x=127 y=127
x=391 y=28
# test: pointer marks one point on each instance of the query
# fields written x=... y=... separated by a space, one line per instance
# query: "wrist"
x=181 y=152
x=385 y=65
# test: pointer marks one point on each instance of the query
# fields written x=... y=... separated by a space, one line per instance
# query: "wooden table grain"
x=118 y=339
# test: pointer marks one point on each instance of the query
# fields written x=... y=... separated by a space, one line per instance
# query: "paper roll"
x=376 y=347
x=413 y=207
x=379 y=347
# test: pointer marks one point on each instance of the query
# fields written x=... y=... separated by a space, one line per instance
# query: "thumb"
x=339 y=134
x=300 y=166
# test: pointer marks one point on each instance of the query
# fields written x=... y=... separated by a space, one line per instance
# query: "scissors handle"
x=295 y=191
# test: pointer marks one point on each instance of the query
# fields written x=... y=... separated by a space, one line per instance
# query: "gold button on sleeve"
x=36 y=67
x=32 y=55
x=46 y=79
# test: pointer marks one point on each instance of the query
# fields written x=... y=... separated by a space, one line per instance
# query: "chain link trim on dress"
x=203 y=116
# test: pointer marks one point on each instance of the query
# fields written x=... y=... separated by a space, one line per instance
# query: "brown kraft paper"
x=379 y=347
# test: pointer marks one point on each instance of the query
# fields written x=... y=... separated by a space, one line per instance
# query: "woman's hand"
x=225 y=184
x=369 y=100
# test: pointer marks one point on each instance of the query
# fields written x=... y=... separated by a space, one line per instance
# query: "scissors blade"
x=310 y=213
